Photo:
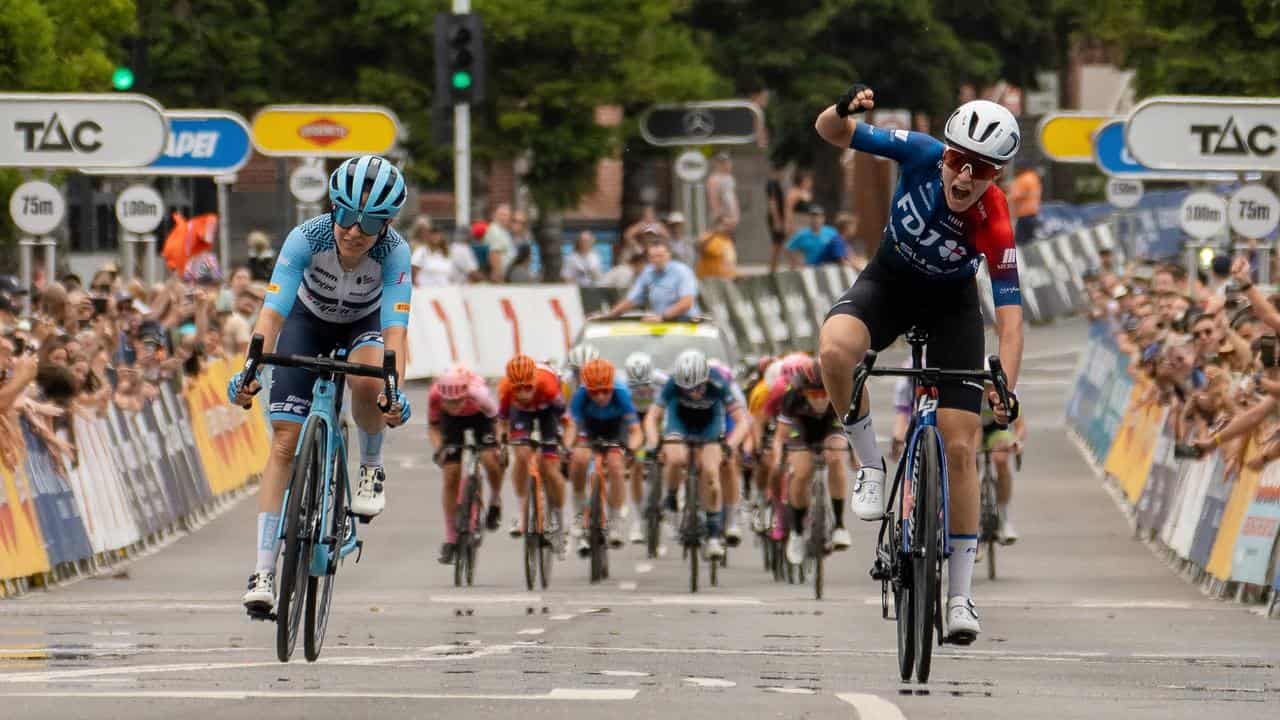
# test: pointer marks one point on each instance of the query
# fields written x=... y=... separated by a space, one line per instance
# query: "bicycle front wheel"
x=532 y=540
x=320 y=590
x=300 y=521
x=927 y=553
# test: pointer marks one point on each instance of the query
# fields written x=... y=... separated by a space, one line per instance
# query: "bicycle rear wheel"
x=595 y=527
x=653 y=511
x=990 y=524
x=927 y=563
x=532 y=539
x=818 y=527
x=299 y=530
x=692 y=526
x=318 y=607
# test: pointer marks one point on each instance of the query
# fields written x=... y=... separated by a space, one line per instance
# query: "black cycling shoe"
x=669 y=503
x=493 y=520
x=447 y=551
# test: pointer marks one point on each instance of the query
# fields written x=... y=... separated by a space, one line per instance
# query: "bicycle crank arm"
x=359 y=550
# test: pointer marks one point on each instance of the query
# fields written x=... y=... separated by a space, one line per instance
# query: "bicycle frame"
x=924 y=415
x=323 y=402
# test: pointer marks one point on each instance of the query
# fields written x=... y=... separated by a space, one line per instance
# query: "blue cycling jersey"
x=585 y=410
x=713 y=402
x=923 y=235
x=308 y=270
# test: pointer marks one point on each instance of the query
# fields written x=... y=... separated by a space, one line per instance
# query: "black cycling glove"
x=842 y=105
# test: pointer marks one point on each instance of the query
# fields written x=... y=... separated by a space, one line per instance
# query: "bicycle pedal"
x=880 y=571
x=359 y=550
x=363 y=519
x=263 y=616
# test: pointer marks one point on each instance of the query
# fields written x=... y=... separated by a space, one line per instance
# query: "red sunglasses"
x=979 y=167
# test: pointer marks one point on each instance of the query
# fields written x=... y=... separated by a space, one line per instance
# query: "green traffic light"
x=122 y=78
x=461 y=80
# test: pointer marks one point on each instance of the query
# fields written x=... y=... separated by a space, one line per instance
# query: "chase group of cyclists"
x=342 y=282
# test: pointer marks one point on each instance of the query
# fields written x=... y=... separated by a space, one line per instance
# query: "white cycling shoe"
x=261 y=597
x=715 y=548
x=962 y=621
x=635 y=533
x=840 y=539
x=795 y=548
x=615 y=536
x=1007 y=533
x=868 y=493
x=733 y=533
x=369 y=500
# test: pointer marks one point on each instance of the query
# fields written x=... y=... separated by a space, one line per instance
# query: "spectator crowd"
x=83 y=346
x=1208 y=344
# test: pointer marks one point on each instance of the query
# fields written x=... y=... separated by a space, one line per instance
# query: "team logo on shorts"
x=273 y=288
x=402 y=307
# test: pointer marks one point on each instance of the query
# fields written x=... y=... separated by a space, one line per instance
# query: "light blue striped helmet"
x=371 y=174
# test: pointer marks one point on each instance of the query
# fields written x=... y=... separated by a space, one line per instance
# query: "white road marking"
x=710 y=682
x=565 y=616
x=872 y=707
x=531 y=631
x=432 y=653
x=644 y=567
x=701 y=600
x=791 y=690
x=623 y=673
x=1083 y=604
x=476 y=599
x=627 y=585
x=590 y=694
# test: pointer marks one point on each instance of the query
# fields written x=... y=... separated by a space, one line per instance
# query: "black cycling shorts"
x=890 y=302
x=454 y=429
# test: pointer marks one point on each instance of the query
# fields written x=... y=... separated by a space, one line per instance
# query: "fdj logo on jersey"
x=1228 y=140
x=52 y=136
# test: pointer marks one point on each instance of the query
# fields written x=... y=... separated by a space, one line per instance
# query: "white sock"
x=1003 y=512
x=863 y=438
x=370 y=447
x=729 y=513
x=964 y=548
x=268 y=543
x=579 y=503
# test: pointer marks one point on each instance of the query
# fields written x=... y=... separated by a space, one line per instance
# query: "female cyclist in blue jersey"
x=695 y=402
x=946 y=213
x=342 y=280
x=602 y=410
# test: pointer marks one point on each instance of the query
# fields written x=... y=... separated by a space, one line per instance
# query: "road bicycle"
x=466 y=518
x=819 y=521
x=540 y=539
x=693 y=528
x=913 y=538
x=596 y=518
x=318 y=529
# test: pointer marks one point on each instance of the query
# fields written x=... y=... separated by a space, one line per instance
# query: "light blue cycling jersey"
x=643 y=394
x=308 y=270
x=589 y=412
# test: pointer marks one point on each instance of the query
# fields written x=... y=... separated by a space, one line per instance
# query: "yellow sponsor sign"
x=616 y=329
x=1068 y=137
x=324 y=131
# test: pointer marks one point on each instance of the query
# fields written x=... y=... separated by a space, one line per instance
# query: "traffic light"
x=132 y=68
x=459 y=56
x=122 y=78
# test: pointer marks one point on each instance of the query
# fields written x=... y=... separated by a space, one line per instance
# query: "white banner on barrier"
x=484 y=325
x=439 y=333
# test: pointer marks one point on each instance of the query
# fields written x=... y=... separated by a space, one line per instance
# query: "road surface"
x=1083 y=623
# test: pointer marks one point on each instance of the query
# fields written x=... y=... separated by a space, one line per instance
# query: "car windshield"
x=663 y=342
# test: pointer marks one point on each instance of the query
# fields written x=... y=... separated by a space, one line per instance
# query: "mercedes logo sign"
x=698 y=123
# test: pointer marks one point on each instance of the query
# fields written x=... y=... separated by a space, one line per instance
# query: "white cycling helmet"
x=581 y=355
x=639 y=367
x=984 y=128
x=691 y=369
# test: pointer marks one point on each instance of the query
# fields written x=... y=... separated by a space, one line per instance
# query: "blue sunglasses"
x=369 y=225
